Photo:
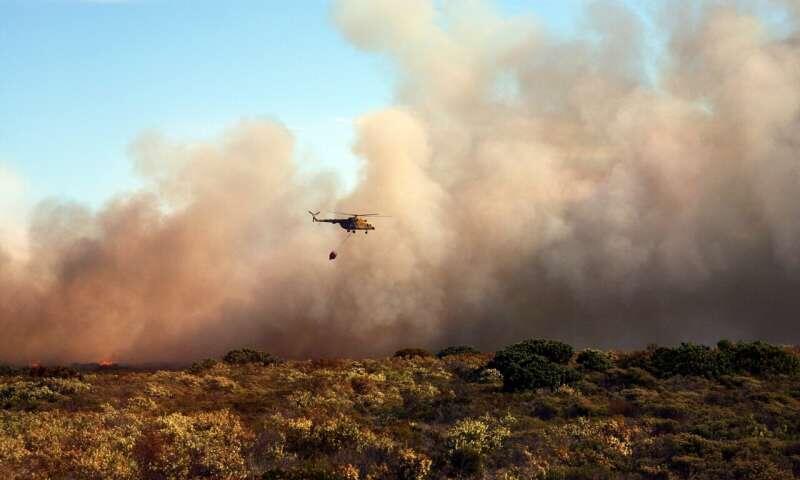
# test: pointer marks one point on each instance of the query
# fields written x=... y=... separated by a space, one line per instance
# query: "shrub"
x=640 y=359
x=412 y=465
x=57 y=371
x=306 y=438
x=689 y=359
x=469 y=441
x=629 y=377
x=556 y=352
x=65 y=386
x=758 y=358
x=546 y=409
x=27 y=395
x=203 y=365
x=466 y=367
x=621 y=406
x=489 y=376
x=581 y=407
x=75 y=445
x=458 y=350
x=208 y=444
x=524 y=368
x=218 y=383
x=666 y=426
x=245 y=355
x=412 y=353
x=337 y=434
x=732 y=428
x=328 y=363
x=594 y=360
x=583 y=472
x=591 y=442
x=313 y=471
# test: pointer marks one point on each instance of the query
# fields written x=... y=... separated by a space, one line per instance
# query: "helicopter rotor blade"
x=357 y=214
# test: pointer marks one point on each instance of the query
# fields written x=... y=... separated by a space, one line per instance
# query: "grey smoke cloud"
x=538 y=186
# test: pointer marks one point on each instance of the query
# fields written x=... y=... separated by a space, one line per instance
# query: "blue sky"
x=79 y=80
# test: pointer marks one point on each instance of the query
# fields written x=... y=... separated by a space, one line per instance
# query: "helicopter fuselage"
x=356 y=223
x=350 y=224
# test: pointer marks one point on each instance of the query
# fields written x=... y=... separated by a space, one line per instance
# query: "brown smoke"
x=539 y=186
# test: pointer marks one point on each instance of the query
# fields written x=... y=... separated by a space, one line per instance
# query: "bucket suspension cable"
x=333 y=254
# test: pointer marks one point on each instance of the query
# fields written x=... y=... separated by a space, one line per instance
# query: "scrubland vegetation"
x=533 y=410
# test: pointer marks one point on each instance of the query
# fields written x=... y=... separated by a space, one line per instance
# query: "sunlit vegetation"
x=533 y=410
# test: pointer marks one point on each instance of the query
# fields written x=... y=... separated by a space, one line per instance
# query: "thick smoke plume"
x=575 y=189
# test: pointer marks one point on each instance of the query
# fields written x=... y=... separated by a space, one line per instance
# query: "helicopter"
x=353 y=221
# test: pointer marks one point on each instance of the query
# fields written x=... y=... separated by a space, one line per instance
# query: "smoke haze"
x=539 y=186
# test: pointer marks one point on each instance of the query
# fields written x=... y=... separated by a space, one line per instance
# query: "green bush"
x=245 y=355
x=412 y=352
x=523 y=368
x=458 y=350
x=640 y=359
x=689 y=359
x=556 y=352
x=758 y=358
x=594 y=360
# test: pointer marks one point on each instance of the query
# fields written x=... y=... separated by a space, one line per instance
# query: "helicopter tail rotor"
x=313 y=215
